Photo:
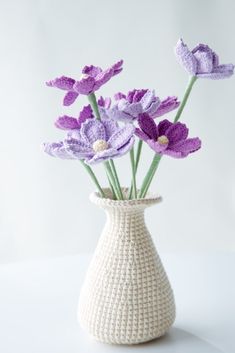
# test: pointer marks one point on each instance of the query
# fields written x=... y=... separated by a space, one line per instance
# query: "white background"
x=44 y=205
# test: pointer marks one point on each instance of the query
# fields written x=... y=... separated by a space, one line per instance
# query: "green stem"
x=149 y=176
x=94 y=105
x=112 y=180
x=138 y=153
x=111 y=187
x=132 y=157
x=116 y=178
x=192 y=80
x=93 y=177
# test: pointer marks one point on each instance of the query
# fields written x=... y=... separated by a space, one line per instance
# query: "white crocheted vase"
x=126 y=297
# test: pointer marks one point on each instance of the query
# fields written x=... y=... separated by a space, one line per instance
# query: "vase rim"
x=108 y=202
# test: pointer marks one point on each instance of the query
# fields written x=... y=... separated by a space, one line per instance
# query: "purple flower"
x=93 y=77
x=128 y=107
x=96 y=141
x=166 y=137
x=202 y=62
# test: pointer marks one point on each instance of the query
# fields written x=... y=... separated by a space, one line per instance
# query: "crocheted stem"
x=94 y=105
x=116 y=178
x=93 y=177
x=149 y=176
x=192 y=80
x=111 y=187
x=112 y=180
x=138 y=153
x=133 y=169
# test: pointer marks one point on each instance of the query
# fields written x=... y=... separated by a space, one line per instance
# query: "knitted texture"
x=126 y=297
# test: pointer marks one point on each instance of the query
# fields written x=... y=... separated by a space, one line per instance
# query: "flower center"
x=100 y=145
x=163 y=140
x=84 y=76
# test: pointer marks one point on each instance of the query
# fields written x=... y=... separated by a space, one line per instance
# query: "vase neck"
x=128 y=225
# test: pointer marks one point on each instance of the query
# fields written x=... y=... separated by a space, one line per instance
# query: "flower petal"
x=132 y=109
x=110 y=126
x=141 y=134
x=163 y=126
x=167 y=105
x=102 y=78
x=85 y=113
x=152 y=109
x=63 y=82
x=121 y=136
x=102 y=156
x=85 y=85
x=93 y=130
x=91 y=70
x=78 y=148
x=69 y=98
x=148 y=98
x=117 y=67
x=186 y=58
x=204 y=56
x=66 y=122
x=126 y=148
x=188 y=146
x=104 y=102
x=116 y=114
x=219 y=72
x=119 y=95
x=176 y=132
x=156 y=146
x=57 y=149
x=135 y=95
x=148 y=125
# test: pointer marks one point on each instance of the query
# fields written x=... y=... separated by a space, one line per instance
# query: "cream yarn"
x=126 y=297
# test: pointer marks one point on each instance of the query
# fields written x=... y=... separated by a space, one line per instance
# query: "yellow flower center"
x=100 y=145
x=84 y=76
x=163 y=140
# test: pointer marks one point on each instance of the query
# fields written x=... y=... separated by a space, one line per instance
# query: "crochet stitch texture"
x=126 y=297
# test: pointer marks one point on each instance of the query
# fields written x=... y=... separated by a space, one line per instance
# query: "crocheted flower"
x=202 y=62
x=96 y=141
x=166 y=137
x=128 y=107
x=93 y=77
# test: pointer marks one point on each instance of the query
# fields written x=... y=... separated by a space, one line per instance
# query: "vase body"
x=126 y=297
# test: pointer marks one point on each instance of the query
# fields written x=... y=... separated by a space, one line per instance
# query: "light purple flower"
x=128 y=107
x=202 y=62
x=166 y=138
x=96 y=141
x=93 y=77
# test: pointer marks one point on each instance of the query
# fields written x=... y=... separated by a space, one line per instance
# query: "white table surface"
x=38 y=304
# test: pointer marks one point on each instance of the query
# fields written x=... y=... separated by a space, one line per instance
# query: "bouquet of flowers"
x=106 y=129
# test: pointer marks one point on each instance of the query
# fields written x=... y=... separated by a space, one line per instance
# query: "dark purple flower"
x=202 y=62
x=96 y=141
x=92 y=79
x=166 y=137
x=128 y=107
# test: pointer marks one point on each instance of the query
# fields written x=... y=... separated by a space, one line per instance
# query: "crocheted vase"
x=126 y=297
